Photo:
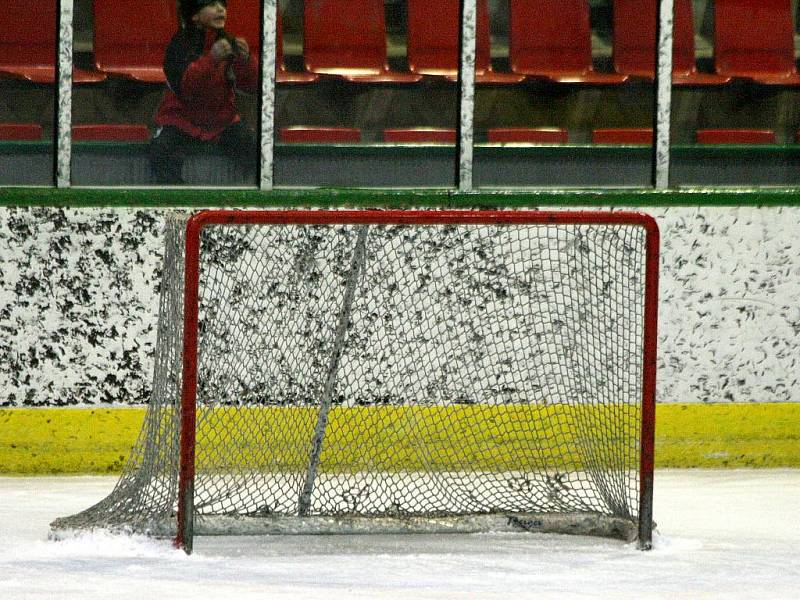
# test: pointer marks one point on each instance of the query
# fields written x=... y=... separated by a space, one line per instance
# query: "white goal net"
x=398 y=371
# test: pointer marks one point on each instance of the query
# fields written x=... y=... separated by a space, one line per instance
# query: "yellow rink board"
x=98 y=440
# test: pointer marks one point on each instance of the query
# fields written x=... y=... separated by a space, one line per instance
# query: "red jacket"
x=201 y=98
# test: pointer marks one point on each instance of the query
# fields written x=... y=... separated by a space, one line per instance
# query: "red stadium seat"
x=754 y=39
x=130 y=45
x=552 y=39
x=433 y=39
x=20 y=132
x=319 y=135
x=527 y=135
x=28 y=43
x=420 y=135
x=735 y=136
x=347 y=38
x=244 y=20
x=632 y=136
x=635 y=42
x=110 y=133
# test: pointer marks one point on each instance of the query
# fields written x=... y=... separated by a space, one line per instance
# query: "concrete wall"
x=78 y=299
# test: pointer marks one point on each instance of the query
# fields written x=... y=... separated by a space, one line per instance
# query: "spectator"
x=204 y=66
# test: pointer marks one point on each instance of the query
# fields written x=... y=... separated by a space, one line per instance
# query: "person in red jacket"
x=204 y=67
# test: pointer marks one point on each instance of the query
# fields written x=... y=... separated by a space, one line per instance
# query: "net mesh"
x=397 y=371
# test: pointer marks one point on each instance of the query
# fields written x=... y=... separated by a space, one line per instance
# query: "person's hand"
x=243 y=49
x=221 y=50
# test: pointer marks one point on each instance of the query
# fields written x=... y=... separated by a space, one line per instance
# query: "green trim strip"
x=159 y=197
x=98 y=440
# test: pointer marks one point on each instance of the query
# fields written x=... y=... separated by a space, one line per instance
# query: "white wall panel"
x=78 y=299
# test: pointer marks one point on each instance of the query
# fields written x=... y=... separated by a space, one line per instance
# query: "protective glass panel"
x=27 y=92
x=366 y=93
x=581 y=111
x=735 y=120
x=177 y=98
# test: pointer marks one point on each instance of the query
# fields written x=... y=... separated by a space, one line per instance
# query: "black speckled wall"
x=79 y=298
x=77 y=305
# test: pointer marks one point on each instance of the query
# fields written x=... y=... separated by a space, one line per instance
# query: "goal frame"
x=199 y=221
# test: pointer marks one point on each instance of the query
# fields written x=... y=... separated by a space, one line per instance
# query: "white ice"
x=721 y=534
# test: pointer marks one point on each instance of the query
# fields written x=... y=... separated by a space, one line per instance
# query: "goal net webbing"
x=397 y=371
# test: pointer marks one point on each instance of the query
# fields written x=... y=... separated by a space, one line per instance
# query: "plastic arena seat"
x=244 y=20
x=319 y=135
x=28 y=43
x=633 y=136
x=552 y=39
x=20 y=132
x=347 y=38
x=420 y=135
x=635 y=42
x=110 y=133
x=736 y=136
x=433 y=42
x=527 y=135
x=754 y=39
x=128 y=45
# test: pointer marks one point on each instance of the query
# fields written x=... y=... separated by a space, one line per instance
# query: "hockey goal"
x=398 y=371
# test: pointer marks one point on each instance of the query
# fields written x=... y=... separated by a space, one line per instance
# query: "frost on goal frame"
x=338 y=371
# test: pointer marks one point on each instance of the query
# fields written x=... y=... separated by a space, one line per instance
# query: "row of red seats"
x=83 y=133
x=522 y=135
x=548 y=39
x=525 y=135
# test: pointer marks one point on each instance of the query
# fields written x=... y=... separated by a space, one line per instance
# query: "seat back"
x=110 y=132
x=20 y=132
x=753 y=37
x=634 y=136
x=420 y=135
x=344 y=36
x=244 y=20
x=549 y=35
x=130 y=36
x=319 y=135
x=736 y=136
x=27 y=36
x=635 y=37
x=433 y=36
x=527 y=135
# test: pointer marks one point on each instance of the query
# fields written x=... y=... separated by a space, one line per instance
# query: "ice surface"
x=721 y=534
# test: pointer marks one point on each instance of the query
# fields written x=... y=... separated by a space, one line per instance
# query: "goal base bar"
x=589 y=524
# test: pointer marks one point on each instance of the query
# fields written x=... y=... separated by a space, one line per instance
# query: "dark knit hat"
x=189 y=8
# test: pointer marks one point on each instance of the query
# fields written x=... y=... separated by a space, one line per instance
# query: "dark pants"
x=169 y=146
